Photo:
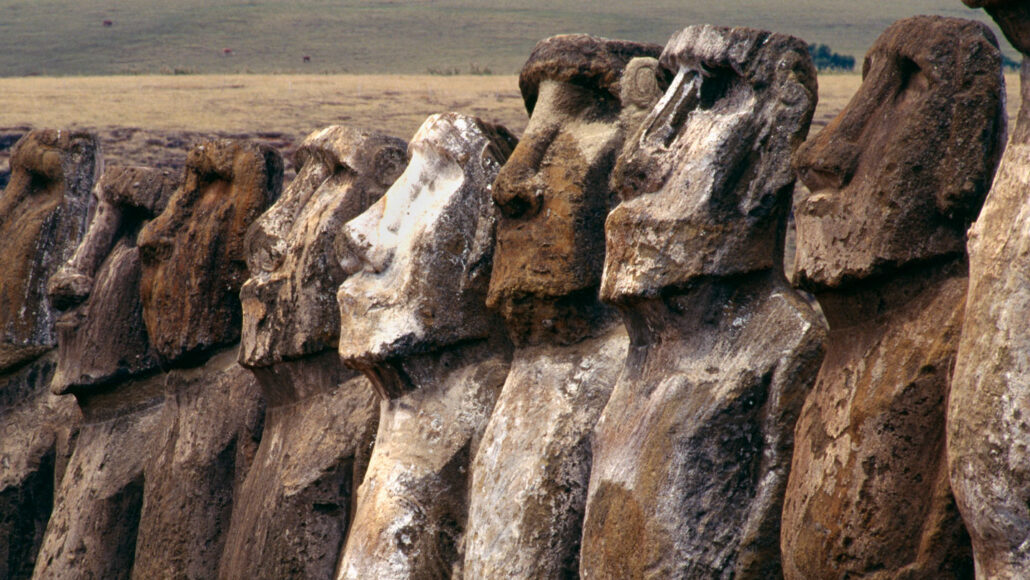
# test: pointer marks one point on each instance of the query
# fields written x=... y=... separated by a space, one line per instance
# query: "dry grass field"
x=151 y=120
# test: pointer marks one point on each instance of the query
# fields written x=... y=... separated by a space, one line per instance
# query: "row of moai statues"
x=570 y=354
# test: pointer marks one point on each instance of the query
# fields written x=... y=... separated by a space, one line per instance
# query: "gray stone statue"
x=413 y=320
x=692 y=451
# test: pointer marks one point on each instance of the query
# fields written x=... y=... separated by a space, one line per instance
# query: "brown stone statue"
x=209 y=422
x=293 y=510
x=692 y=451
x=102 y=347
x=43 y=214
x=893 y=183
x=412 y=319
x=102 y=338
x=530 y=475
x=988 y=417
x=192 y=254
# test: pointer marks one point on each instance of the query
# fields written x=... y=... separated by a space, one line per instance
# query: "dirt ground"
x=153 y=120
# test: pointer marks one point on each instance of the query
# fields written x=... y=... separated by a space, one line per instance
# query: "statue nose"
x=518 y=189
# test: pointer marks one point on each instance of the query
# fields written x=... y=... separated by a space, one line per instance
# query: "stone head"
x=554 y=193
x=419 y=258
x=289 y=305
x=898 y=176
x=705 y=180
x=43 y=214
x=101 y=336
x=193 y=253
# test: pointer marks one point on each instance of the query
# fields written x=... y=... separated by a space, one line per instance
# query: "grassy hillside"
x=68 y=37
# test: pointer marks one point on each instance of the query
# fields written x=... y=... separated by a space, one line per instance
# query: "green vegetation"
x=65 y=37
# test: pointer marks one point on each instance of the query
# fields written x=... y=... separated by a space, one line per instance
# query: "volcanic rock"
x=193 y=253
x=691 y=453
x=291 y=516
x=988 y=423
x=894 y=181
x=529 y=478
x=413 y=321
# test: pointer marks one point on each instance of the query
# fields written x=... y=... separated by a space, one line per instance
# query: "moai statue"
x=291 y=515
x=103 y=349
x=43 y=214
x=893 y=183
x=193 y=267
x=988 y=416
x=530 y=475
x=692 y=451
x=102 y=338
x=413 y=321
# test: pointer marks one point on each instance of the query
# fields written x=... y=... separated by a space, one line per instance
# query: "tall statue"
x=530 y=475
x=293 y=510
x=988 y=417
x=692 y=451
x=893 y=183
x=44 y=210
x=413 y=320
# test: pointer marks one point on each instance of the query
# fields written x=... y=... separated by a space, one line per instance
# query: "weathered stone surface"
x=43 y=214
x=205 y=442
x=37 y=433
x=192 y=254
x=554 y=193
x=291 y=516
x=988 y=424
x=92 y=532
x=289 y=308
x=413 y=320
x=692 y=451
x=530 y=474
x=917 y=105
x=102 y=338
x=894 y=181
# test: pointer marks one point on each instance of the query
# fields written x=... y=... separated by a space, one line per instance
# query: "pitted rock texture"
x=403 y=293
x=893 y=182
x=413 y=320
x=102 y=338
x=205 y=442
x=294 y=509
x=692 y=451
x=292 y=513
x=43 y=214
x=288 y=306
x=37 y=434
x=922 y=131
x=193 y=253
x=1012 y=16
x=530 y=474
x=987 y=420
x=92 y=532
x=554 y=193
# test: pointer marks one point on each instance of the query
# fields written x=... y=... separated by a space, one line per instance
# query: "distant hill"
x=88 y=37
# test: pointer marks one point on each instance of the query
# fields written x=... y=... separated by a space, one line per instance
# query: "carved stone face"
x=102 y=336
x=419 y=259
x=289 y=306
x=554 y=192
x=192 y=254
x=900 y=174
x=43 y=214
x=705 y=179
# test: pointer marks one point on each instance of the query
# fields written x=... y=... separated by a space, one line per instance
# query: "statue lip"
x=818 y=204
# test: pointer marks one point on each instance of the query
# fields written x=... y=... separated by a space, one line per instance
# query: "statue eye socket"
x=914 y=81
